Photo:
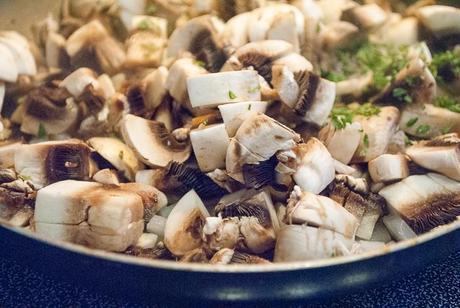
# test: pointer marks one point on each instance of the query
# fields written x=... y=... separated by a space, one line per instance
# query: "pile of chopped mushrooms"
x=228 y=132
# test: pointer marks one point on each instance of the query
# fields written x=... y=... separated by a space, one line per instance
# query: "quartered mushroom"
x=341 y=143
x=219 y=233
x=53 y=161
x=88 y=213
x=441 y=154
x=183 y=228
x=302 y=243
x=152 y=143
x=155 y=87
x=7 y=152
x=424 y=201
x=338 y=35
x=321 y=212
x=366 y=16
x=76 y=82
x=388 y=167
x=258 y=138
x=106 y=176
x=118 y=154
x=440 y=20
x=234 y=114
x=398 y=31
x=200 y=36
x=21 y=52
x=55 y=52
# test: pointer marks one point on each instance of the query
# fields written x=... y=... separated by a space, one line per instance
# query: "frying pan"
x=149 y=281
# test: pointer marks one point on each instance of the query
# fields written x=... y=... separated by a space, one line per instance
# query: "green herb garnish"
x=231 y=95
x=402 y=95
x=341 y=116
x=367 y=110
x=446 y=130
x=254 y=90
x=249 y=107
x=151 y=9
x=144 y=25
x=445 y=66
x=199 y=63
x=121 y=154
x=448 y=102
x=25 y=177
x=42 y=134
x=411 y=122
x=366 y=141
x=423 y=129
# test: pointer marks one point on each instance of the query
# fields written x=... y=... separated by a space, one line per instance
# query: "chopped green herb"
x=411 y=122
x=402 y=95
x=204 y=123
x=231 y=95
x=449 y=103
x=149 y=49
x=151 y=9
x=341 y=116
x=249 y=107
x=25 y=177
x=144 y=25
x=121 y=154
x=445 y=66
x=334 y=76
x=367 y=110
x=254 y=90
x=446 y=130
x=42 y=134
x=407 y=141
x=366 y=141
x=423 y=129
x=199 y=63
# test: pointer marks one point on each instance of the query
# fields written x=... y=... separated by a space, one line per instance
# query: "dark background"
x=436 y=286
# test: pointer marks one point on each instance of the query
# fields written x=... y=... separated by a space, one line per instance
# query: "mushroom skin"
x=424 y=201
x=184 y=225
x=388 y=167
x=152 y=143
x=440 y=20
x=441 y=154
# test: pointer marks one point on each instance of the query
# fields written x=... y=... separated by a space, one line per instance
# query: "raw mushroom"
x=236 y=113
x=339 y=35
x=441 y=154
x=152 y=143
x=221 y=233
x=155 y=87
x=228 y=9
x=440 y=20
x=424 y=201
x=388 y=168
x=55 y=52
x=53 y=161
x=7 y=152
x=341 y=143
x=256 y=237
x=21 y=52
x=184 y=225
x=76 y=82
x=366 y=16
x=107 y=177
x=88 y=213
x=319 y=211
x=397 y=31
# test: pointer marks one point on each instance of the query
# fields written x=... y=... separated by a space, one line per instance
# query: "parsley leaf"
x=366 y=141
x=151 y=9
x=445 y=66
x=25 y=177
x=341 y=116
x=402 y=95
x=199 y=63
x=423 y=129
x=367 y=110
x=231 y=95
x=411 y=122
x=448 y=102
x=42 y=134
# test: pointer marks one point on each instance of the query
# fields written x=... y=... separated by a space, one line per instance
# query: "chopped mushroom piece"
x=387 y=168
x=342 y=143
x=365 y=16
x=210 y=145
x=440 y=20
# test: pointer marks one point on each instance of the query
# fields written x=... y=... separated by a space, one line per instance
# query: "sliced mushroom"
x=7 y=151
x=2 y=94
x=52 y=161
x=399 y=32
x=8 y=71
x=19 y=48
x=184 y=225
x=221 y=233
x=366 y=16
x=398 y=228
x=147 y=241
x=197 y=255
x=428 y=121
x=302 y=243
x=200 y=36
x=424 y=201
x=89 y=213
x=256 y=237
x=155 y=87
x=77 y=81
x=319 y=211
x=257 y=139
x=227 y=87
x=236 y=29
x=118 y=154
x=176 y=82
x=156 y=225
x=377 y=133
x=235 y=114
x=341 y=143
x=210 y=145
x=354 y=86
x=440 y=20
x=106 y=176
x=441 y=154
x=388 y=168
x=152 y=143
x=340 y=34
x=228 y=9
x=55 y=52
x=223 y=256
x=246 y=258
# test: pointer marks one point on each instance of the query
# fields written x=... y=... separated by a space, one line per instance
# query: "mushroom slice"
x=156 y=226
x=147 y=241
x=377 y=133
x=256 y=237
x=200 y=36
x=441 y=154
x=341 y=143
x=210 y=145
x=228 y=9
x=118 y=154
x=245 y=258
x=339 y=35
x=388 y=168
x=155 y=87
x=55 y=52
x=354 y=86
x=441 y=20
x=413 y=84
x=302 y=243
x=8 y=71
x=239 y=112
x=78 y=81
x=428 y=121
x=221 y=233
x=88 y=213
x=222 y=257
x=319 y=211
x=424 y=201
x=23 y=57
x=152 y=143
x=85 y=37
x=227 y=87
x=144 y=49
x=49 y=162
x=7 y=151
x=397 y=31
x=257 y=139
x=366 y=17
x=176 y=83
x=310 y=96
x=260 y=56
x=184 y=225
x=236 y=29
x=197 y=255
x=397 y=227
x=106 y=176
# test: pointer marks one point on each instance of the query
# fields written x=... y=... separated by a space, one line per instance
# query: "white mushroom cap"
x=319 y=211
x=118 y=154
x=397 y=31
x=7 y=151
x=366 y=16
x=155 y=87
x=9 y=70
x=23 y=57
x=341 y=143
x=236 y=30
x=152 y=144
x=77 y=81
x=441 y=20
x=388 y=167
x=85 y=36
x=210 y=145
x=182 y=230
x=235 y=114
